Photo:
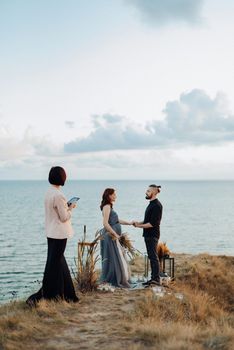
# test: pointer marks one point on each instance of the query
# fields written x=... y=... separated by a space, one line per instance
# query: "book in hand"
x=73 y=200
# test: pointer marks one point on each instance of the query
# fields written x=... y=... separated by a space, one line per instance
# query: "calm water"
x=198 y=217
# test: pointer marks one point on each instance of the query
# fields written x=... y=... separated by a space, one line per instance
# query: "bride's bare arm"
x=123 y=222
x=106 y=214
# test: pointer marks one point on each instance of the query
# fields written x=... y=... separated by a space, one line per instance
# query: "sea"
x=197 y=218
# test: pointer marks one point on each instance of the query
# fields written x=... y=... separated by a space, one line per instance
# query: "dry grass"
x=134 y=320
x=87 y=275
x=126 y=243
x=211 y=274
x=202 y=319
x=151 y=335
x=23 y=328
x=194 y=308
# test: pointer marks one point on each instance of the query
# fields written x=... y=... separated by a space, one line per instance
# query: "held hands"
x=136 y=224
x=115 y=236
x=132 y=223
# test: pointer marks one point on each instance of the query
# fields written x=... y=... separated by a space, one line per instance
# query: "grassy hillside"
x=196 y=312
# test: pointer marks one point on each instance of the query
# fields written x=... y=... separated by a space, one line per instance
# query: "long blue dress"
x=114 y=265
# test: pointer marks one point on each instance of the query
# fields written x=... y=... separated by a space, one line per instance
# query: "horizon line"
x=159 y=180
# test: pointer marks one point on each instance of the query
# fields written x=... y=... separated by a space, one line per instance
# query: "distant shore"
x=200 y=318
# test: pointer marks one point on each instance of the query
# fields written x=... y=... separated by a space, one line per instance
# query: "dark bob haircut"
x=57 y=176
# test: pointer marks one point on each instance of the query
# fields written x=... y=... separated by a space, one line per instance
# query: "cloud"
x=70 y=124
x=119 y=148
x=194 y=119
x=158 y=12
x=31 y=156
x=28 y=156
x=111 y=133
x=11 y=148
x=41 y=145
x=15 y=149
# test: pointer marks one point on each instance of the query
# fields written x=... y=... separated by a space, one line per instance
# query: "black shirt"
x=153 y=215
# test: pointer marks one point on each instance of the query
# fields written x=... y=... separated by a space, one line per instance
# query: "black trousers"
x=57 y=282
x=151 y=247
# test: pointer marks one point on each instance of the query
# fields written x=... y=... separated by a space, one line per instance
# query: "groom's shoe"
x=154 y=283
x=147 y=283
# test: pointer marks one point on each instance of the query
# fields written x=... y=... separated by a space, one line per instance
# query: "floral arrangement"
x=126 y=243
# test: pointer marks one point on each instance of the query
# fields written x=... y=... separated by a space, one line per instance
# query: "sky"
x=117 y=89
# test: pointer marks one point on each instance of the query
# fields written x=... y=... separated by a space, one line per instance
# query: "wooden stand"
x=85 y=249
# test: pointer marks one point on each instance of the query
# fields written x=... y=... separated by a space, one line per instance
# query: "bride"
x=115 y=268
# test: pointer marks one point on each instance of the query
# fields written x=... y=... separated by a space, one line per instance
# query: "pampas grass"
x=162 y=250
x=87 y=275
x=126 y=243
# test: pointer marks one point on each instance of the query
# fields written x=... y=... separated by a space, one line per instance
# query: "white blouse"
x=57 y=215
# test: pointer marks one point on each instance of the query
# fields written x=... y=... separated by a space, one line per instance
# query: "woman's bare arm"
x=123 y=222
x=106 y=214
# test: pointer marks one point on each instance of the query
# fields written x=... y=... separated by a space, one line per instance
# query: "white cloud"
x=41 y=145
x=194 y=119
x=111 y=132
x=195 y=140
x=187 y=162
x=159 y=12
x=26 y=149
x=11 y=148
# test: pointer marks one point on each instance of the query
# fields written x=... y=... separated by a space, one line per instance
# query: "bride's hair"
x=106 y=197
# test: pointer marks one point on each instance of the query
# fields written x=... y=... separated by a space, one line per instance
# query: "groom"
x=151 y=231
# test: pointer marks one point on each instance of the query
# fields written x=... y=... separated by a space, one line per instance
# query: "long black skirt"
x=57 y=282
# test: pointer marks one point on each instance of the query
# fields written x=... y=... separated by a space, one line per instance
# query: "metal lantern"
x=169 y=266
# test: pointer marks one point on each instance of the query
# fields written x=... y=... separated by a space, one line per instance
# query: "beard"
x=148 y=197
